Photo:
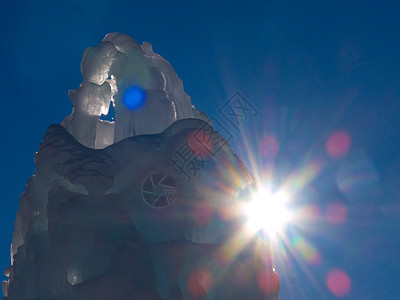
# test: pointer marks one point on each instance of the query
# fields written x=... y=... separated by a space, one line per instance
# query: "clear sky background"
x=322 y=75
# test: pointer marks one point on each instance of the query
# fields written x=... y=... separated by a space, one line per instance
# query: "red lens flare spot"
x=338 y=144
x=338 y=282
x=269 y=146
x=268 y=281
x=200 y=143
x=336 y=213
x=200 y=282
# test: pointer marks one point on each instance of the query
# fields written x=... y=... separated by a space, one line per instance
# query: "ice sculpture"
x=139 y=208
x=108 y=70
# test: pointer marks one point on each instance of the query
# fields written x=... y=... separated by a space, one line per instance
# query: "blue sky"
x=314 y=71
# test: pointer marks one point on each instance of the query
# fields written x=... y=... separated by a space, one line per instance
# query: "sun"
x=267 y=211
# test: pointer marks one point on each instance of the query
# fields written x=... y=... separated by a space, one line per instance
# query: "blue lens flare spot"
x=134 y=97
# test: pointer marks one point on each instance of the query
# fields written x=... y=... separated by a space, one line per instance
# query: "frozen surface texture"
x=108 y=70
x=152 y=215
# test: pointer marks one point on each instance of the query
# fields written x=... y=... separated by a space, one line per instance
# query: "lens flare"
x=269 y=146
x=268 y=281
x=338 y=282
x=338 y=144
x=267 y=211
x=336 y=213
x=307 y=251
x=134 y=97
x=200 y=282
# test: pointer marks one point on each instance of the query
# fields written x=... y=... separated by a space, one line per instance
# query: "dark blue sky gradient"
x=309 y=68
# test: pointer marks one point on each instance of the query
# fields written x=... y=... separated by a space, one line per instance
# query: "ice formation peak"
x=146 y=93
x=153 y=214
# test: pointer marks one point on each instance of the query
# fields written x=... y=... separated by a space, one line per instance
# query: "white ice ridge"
x=115 y=64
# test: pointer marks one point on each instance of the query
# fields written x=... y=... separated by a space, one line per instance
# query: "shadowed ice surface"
x=136 y=208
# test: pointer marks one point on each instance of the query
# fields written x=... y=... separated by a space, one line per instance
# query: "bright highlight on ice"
x=267 y=211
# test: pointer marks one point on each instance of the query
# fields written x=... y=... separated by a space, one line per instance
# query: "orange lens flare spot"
x=200 y=282
x=338 y=282
x=268 y=281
